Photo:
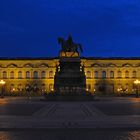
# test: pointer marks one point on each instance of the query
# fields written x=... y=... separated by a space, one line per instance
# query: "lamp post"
x=137 y=82
x=2 y=83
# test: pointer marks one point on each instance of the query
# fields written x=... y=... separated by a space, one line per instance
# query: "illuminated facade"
x=103 y=75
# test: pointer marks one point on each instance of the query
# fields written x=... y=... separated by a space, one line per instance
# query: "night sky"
x=105 y=28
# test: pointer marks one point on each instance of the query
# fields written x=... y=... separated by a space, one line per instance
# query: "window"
x=134 y=74
x=119 y=74
x=127 y=86
x=35 y=87
x=43 y=87
x=119 y=89
x=51 y=87
x=19 y=75
x=35 y=74
x=43 y=74
x=12 y=88
x=127 y=74
x=103 y=74
x=88 y=74
x=4 y=75
x=27 y=74
x=111 y=74
x=19 y=87
x=88 y=87
x=51 y=74
x=11 y=75
x=96 y=74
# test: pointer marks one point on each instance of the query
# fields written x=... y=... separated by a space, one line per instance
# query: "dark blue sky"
x=104 y=27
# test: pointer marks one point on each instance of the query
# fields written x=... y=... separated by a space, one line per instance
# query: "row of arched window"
x=111 y=74
x=36 y=75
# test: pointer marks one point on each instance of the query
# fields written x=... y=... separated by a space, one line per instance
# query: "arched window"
x=35 y=87
x=19 y=87
x=119 y=74
x=35 y=74
x=12 y=75
x=43 y=87
x=126 y=74
x=96 y=75
x=12 y=88
x=119 y=89
x=51 y=74
x=43 y=74
x=111 y=74
x=88 y=75
x=19 y=75
x=4 y=75
x=27 y=74
x=103 y=74
x=134 y=74
x=126 y=87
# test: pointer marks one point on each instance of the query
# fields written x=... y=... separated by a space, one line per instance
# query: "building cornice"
x=52 y=58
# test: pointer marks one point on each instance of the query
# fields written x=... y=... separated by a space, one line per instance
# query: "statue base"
x=70 y=77
x=69 y=54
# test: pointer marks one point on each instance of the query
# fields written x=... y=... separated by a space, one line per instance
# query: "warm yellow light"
x=87 y=89
x=137 y=82
x=2 y=82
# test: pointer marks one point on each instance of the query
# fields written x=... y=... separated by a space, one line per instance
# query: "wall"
x=105 y=82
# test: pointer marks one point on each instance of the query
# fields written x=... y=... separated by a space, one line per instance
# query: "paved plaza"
x=107 y=118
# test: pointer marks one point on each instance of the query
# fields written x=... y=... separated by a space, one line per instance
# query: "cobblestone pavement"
x=105 y=119
x=71 y=134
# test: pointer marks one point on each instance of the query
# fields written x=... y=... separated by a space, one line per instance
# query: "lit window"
x=51 y=74
x=111 y=74
x=43 y=87
x=134 y=74
x=20 y=75
x=119 y=89
x=51 y=87
x=12 y=88
x=119 y=74
x=4 y=75
x=35 y=74
x=43 y=74
x=127 y=74
x=11 y=75
x=103 y=74
x=88 y=75
x=19 y=87
x=27 y=74
x=88 y=87
x=96 y=74
x=127 y=86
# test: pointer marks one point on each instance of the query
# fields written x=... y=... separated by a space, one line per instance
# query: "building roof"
x=51 y=58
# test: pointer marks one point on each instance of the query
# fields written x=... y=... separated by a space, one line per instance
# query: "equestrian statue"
x=69 y=46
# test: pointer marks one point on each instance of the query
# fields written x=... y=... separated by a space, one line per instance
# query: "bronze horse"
x=69 y=45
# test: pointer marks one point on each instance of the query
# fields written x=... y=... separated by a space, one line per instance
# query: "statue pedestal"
x=70 y=77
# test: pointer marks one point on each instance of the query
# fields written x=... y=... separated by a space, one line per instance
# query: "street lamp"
x=137 y=82
x=2 y=83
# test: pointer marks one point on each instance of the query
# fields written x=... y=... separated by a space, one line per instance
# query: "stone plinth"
x=70 y=77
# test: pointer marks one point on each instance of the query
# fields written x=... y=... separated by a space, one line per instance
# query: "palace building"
x=103 y=75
